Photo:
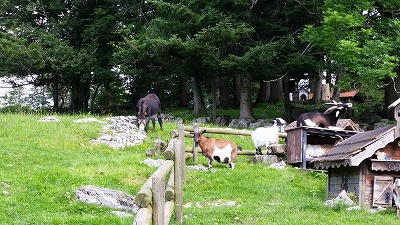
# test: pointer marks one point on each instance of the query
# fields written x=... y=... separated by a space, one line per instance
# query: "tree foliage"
x=112 y=52
x=361 y=40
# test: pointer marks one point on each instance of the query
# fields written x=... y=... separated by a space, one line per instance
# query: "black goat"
x=326 y=119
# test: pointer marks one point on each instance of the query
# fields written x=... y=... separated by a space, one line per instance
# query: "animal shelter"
x=365 y=165
x=306 y=143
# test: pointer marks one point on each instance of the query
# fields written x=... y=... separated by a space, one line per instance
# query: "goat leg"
x=269 y=150
x=210 y=163
x=258 y=151
x=153 y=121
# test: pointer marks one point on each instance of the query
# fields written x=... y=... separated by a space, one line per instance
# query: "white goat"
x=267 y=136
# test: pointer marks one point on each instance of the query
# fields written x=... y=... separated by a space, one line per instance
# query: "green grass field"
x=43 y=163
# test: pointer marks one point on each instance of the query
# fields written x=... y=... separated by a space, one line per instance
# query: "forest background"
x=103 y=55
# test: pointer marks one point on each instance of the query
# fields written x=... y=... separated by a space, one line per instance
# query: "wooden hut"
x=299 y=138
x=354 y=165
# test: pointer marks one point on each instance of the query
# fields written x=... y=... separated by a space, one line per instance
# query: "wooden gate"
x=383 y=191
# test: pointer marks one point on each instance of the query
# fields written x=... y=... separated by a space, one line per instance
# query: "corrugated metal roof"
x=353 y=145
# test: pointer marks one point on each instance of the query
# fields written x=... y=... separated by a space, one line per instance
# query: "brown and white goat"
x=222 y=151
x=327 y=119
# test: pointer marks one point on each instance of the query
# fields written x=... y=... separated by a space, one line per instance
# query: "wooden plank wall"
x=294 y=146
x=343 y=177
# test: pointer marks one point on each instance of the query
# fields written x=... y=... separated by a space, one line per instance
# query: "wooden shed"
x=353 y=165
x=299 y=138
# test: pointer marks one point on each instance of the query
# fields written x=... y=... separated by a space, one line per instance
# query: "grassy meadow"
x=43 y=163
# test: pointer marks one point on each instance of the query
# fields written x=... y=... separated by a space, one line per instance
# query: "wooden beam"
x=169 y=190
x=144 y=197
x=168 y=210
x=143 y=216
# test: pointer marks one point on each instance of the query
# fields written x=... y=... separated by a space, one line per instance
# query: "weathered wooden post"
x=178 y=177
x=158 y=200
x=195 y=151
x=182 y=150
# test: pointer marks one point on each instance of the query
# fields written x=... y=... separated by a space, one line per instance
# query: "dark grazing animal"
x=147 y=107
x=223 y=151
x=326 y=119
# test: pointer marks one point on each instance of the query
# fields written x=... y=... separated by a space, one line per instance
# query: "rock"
x=153 y=163
x=269 y=159
x=342 y=198
x=278 y=149
x=262 y=123
x=354 y=208
x=202 y=120
x=149 y=152
x=223 y=120
x=240 y=123
x=278 y=165
x=106 y=197
x=121 y=132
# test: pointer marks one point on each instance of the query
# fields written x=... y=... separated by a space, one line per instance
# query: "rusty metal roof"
x=353 y=145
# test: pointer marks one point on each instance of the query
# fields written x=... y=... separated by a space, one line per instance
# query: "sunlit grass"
x=42 y=164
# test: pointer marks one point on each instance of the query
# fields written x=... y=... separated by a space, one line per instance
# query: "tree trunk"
x=238 y=90
x=391 y=94
x=110 y=97
x=246 y=105
x=80 y=93
x=214 y=101
x=336 y=88
x=263 y=92
x=286 y=100
x=316 y=90
x=94 y=97
x=55 y=95
x=183 y=95
x=225 y=101
x=276 y=94
x=198 y=100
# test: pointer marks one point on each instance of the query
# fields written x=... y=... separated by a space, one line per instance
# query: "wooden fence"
x=193 y=151
x=157 y=202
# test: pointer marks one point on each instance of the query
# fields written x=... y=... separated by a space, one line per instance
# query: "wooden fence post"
x=195 y=151
x=158 y=200
x=182 y=150
x=178 y=178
